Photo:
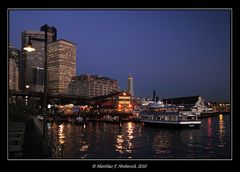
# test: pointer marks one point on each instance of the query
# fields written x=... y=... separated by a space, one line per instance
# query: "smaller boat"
x=78 y=120
x=110 y=119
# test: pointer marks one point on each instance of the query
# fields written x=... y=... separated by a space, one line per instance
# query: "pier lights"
x=130 y=107
x=26 y=97
x=119 y=107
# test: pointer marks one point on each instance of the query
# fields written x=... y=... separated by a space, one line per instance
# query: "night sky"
x=177 y=53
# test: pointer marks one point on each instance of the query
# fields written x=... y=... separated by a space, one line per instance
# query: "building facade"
x=61 y=65
x=32 y=63
x=92 y=85
x=130 y=85
x=119 y=101
x=13 y=68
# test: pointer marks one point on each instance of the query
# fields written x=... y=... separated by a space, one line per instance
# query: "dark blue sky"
x=177 y=53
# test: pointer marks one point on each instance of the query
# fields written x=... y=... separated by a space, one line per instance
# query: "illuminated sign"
x=124 y=102
x=123 y=97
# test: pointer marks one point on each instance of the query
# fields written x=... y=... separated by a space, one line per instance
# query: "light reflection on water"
x=210 y=133
x=119 y=144
x=133 y=140
x=129 y=137
x=124 y=142
x=161 y=143
x=221 y=131
x=61 y=134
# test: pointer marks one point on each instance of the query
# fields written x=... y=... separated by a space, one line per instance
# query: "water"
x=133 y=140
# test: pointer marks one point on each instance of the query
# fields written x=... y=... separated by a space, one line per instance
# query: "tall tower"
x=130 y=85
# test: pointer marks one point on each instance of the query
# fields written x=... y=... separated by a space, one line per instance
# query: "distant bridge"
x=61 y=98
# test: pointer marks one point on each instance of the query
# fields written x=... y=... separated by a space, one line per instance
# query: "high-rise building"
x=13 y=68
x=61 y=65
x=92 y=85
x=130 y=85
x=32 y=63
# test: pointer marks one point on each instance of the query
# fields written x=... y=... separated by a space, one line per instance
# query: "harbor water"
x=98 y=140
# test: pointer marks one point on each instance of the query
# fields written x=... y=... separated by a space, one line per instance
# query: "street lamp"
x=29 y=48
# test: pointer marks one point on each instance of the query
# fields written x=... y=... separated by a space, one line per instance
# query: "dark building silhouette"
x=32 y=63
x=154 y=95
x=13 y=68
x=181 y=100
x=187 y=102
x=51 y=30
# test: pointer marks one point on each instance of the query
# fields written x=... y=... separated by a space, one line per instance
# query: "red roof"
x=108 y=103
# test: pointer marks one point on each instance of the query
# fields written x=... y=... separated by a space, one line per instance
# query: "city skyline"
x=176 y=53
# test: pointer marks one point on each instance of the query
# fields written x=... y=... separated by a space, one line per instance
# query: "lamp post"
x=29 y=48
x=45 y=81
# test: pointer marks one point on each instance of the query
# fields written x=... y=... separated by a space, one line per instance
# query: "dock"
x=16 y=139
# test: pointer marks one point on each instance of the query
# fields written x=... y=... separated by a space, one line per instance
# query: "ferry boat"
x=165 y=115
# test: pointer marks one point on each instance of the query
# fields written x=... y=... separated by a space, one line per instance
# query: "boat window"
x=190 y=117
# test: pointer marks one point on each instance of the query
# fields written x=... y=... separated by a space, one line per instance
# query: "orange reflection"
x=61 y=134
x=84 y=146
x=221 y=124
x=129 y=137
x=119 y=144
x=210 y=133
x=221 y=132
x=124 y=142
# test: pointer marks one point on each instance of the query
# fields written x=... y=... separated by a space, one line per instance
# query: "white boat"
x=201 y=109
x=169 y=116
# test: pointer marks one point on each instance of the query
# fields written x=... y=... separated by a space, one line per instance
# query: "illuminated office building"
x=61 y=65
x=92 y=85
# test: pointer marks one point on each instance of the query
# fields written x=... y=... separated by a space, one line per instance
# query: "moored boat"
x=169 y=116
